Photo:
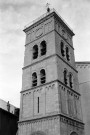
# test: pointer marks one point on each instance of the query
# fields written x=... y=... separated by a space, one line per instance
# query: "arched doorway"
x=73 y=133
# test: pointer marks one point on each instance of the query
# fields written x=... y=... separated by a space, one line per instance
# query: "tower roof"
x=44 y=17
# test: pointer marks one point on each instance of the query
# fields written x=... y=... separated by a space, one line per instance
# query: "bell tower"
x=50 y=98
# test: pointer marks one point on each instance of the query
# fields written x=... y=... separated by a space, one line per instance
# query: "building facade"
x=7 y=106
x=9 y=116
x=8 y=123
x=83 y=69
x=50 y=98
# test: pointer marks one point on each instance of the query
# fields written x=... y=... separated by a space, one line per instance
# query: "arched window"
x=62 y=49
x=73 y=133
x=65 y=76
x=67 y=54
x=43 y=47
x=34 y=79
x=35 y=51
x=42 y=76
x=70 y=80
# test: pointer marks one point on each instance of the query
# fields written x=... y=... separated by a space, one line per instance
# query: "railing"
x=39 y=18
x=47 y=13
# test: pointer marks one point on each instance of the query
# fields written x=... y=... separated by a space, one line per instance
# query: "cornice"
x=38 y=61
x=67 y=63
x=51 y=116
x=64 y=39
x=69 y=88
x=39 y=37
x=59 y=18
x=38 y=22
x=46 y=16
x=82 y=62
x=53 y=55
x=47 y=83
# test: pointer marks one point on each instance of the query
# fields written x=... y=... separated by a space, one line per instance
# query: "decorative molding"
x=64 y=39
x=62 y=118
x=47 y=17
x=36 y=120
x=71 y=122
x=39 y=32
x=63 y=86
x=33 y=88
x=82 y=65
x=46 y=85
x=45 y=58
x=71 y=100
x=68 y=63
x=49 y=85
x=35 y=40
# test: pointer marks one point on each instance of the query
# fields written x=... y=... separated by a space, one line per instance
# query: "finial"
x=47 y=6
x=8 y=106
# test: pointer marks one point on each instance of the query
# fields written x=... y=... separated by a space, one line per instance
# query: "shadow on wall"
x=73 y=133
x=38 y=133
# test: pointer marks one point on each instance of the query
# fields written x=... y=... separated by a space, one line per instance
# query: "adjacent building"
x=9 y=116
x=7 y=106
x=84 y=85
x=50 y=97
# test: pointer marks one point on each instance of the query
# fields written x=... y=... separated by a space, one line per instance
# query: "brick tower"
x=50 y=98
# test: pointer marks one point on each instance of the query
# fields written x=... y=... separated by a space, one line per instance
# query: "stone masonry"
x=52 y=107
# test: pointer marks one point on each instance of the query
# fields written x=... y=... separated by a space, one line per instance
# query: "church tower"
x=50 y=98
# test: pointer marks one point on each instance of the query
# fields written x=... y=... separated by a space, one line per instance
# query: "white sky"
x=14 y=15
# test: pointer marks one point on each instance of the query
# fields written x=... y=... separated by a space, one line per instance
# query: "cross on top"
x=47 y=6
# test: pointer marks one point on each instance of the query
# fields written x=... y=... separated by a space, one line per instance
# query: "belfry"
x=50 y=99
